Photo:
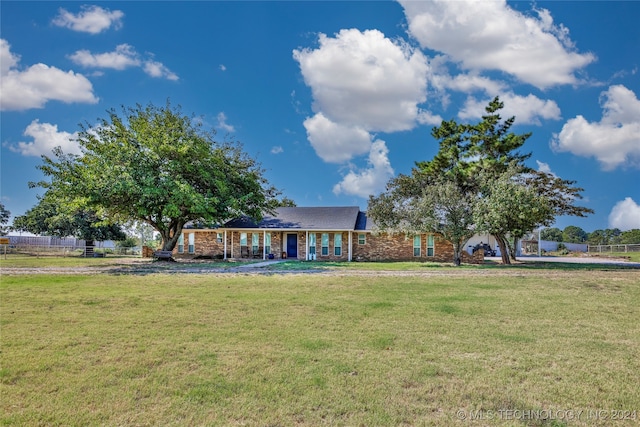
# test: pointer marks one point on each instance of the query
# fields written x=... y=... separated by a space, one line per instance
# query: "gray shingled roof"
x=364 y=223
x=304 y=218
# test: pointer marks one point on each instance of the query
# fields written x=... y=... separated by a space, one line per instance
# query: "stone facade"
x=374 y=247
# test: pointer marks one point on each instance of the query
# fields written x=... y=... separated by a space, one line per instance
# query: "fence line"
x=68 y=250
x=614 y=248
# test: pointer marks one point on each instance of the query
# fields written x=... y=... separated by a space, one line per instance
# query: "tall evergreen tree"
x=474 y=156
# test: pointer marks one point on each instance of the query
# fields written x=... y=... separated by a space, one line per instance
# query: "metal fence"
x=614 y=248
x=66 y=251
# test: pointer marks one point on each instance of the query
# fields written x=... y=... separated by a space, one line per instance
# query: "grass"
x=30 y=261
x=631 y=256
x=124 y=262
x=309 y=350
x=301 y=266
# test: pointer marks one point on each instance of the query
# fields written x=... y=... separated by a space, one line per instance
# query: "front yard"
x=456 y=347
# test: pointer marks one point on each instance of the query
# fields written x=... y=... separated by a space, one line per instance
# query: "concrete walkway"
x=251 y=265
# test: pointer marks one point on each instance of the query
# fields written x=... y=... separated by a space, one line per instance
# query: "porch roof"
x=305 y=218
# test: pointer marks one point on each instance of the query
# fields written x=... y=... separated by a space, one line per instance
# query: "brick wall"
x=385 y=247
x=344 y=256
x=206 y=244
x=377 y=247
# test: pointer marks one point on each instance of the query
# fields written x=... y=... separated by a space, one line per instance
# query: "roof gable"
x=304 y=218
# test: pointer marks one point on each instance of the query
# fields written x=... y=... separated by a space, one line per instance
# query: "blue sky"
x=335 y=98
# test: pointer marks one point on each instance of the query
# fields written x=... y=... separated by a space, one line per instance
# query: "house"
x=314 y=233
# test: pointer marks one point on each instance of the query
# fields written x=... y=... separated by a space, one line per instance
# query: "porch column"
x=306 y=243
x=350 y=244
x=264 y=244
x=225 y=245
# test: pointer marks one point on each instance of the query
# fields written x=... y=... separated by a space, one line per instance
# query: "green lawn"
x=30 y=261
x=316 y=349
x=631 y=256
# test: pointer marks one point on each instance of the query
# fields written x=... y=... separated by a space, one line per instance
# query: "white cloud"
x=45 y=138
x=428 y=118
x=467 y=82
x=544 y=167
x=8 y=60
x=223 y=67
x=124 y=56
x=625 y=215
x=334 y=142
x=277 y=149
x=159 y=70
x=527 y=109
x=489 y=35
x=362 y=82
x=614 y=140
x=92 y=19
x=371 y=180
x=38 y=84
x=222 y=123
x=365 y=79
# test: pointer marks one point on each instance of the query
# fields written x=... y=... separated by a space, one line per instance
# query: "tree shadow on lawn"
x=188 y=267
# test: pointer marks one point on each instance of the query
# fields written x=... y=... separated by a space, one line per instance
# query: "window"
x=430 y=245
x=337 y=244
x=312 y=243
x=255 y=241
x=267 y=243
x=362 y=239
x=219 y=237
x=192 y=243
x=325 y=244
x=243 y=239
x=416 y=246
x=181 y=244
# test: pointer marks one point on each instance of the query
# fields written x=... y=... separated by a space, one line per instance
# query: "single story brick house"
x=314 y=233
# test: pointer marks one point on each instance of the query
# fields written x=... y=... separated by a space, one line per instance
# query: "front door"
x=292 y=246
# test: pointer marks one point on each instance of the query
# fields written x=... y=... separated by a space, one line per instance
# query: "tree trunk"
x=457 y=259
x=504 y=251
x=513 y=249
x=170 y=236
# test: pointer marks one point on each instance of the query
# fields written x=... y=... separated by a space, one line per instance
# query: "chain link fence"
x=68 y=251
x=62 y=247
x=613 y=248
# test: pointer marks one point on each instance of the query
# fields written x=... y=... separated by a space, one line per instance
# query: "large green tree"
x=472 y=157
x=609 y=236
x=574 y=234
x=158 y=166
x=509 y=207
x=630 y=236
x=553 y=234
x=439 y=207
